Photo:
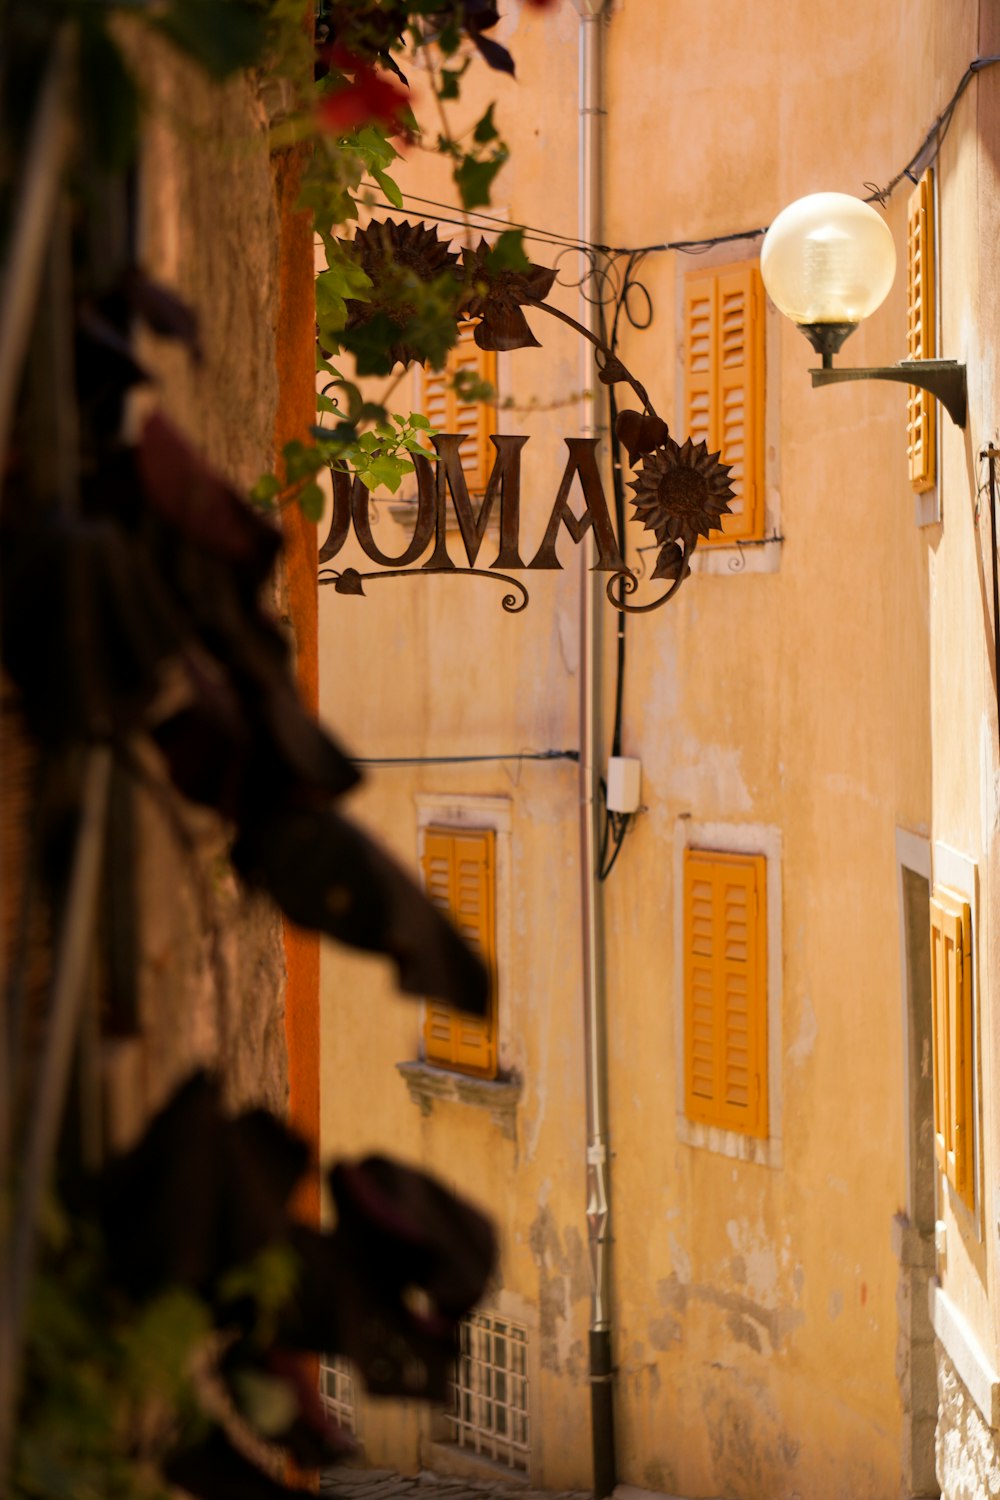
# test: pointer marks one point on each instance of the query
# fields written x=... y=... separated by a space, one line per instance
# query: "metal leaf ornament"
x=496 y=298
x=387 y=252
x=681 y=493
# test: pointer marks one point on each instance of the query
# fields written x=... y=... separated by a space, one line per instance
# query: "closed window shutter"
x=725 y=1020
x=701 y=343
x=460 y=878
x=951 y=1003
x=472 y=420
x=921 y=424
x=724 y=386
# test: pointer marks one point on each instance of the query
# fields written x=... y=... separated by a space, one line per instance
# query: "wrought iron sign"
x=681 y=490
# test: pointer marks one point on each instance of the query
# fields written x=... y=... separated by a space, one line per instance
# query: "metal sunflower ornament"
x=395 y=256
x=681 y=494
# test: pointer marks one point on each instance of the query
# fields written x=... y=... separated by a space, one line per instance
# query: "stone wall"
x=967 y=1450
x=212 y=965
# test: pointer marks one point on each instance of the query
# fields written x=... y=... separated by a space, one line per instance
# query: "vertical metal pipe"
x=592 y=22
x=991 y=455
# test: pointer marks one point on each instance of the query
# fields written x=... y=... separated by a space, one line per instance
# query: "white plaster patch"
x=711 y=777
x=840 y=785
x=760 y=1259
x=679 y=1258
x=803 y=1045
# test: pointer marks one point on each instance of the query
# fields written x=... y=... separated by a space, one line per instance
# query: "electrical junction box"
x=624 y=784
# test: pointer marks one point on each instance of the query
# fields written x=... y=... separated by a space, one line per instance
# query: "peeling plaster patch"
x=672 y=1293
x=738 y=1269
x=836 y=1305
x=760 y=1260
x=845 y=786
x=803 y=1045
x=711 y=777
x=747 y=1456
x=838 y=1184
x=665 y=1331
x=798 y=1280
x=679 y=1258
x=560 y=1273
x=744 y=1331
x=579 y=1265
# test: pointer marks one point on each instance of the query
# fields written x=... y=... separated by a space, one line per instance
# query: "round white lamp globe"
x=828 y=258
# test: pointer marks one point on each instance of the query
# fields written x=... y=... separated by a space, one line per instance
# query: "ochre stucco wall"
x=755 y=1317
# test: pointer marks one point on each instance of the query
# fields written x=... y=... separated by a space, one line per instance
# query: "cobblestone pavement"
x=347 y=1483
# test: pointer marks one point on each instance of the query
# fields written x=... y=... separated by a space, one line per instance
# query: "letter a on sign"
x=583 y=462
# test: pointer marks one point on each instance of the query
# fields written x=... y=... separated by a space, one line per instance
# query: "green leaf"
x=269 y=1404
x=223 y=35
x=110 y=99
x=389 y=188
x=301 y=461
x=339 y=282
x=485 y=130
x=312 y=501
x=324 y=403
x=449 y=38
x=507 y=253
x=265 y=491
x=371 y=342
x=448 y=81
x=386 y=471
x=421 y=422
x=468 y=386
x=474 y=179
x=373 y=142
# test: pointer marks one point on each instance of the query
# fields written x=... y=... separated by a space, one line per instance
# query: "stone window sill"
x=427 y=1083
x=759 y=556
x=963 y=1349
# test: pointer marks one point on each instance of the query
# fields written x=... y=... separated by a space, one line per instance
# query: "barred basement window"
x=489 y=1412
x=336 y=1391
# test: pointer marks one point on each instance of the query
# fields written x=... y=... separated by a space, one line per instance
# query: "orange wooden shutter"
x=725 y=1021
x=724 y=385
x=951 y=1001
x=701 y=344
x=472 y=420
x=459 y=875
x=921 y=425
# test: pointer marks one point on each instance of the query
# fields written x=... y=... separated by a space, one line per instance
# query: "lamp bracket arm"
x=943 y=378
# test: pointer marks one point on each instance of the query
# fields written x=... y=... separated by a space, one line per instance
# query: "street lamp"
x=828 y=261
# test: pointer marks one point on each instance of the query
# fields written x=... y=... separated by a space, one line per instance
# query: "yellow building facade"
x=800 y=1282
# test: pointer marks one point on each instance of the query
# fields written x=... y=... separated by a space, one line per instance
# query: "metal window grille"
x=489 y=1412
x=336 y=1391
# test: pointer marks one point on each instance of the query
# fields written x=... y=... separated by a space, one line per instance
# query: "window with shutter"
x=724 y=385
x=951 y=1003
x=460 y=878
x=473 y=420
x=725 y=985
x=921 y=422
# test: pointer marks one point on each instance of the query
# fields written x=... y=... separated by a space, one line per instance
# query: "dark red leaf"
x=349 y=582
x=640 y=432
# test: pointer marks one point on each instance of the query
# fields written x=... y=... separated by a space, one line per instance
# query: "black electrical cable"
x=879 y=195
x=461 y=760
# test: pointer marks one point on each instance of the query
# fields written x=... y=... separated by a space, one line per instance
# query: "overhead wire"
x=927 y=152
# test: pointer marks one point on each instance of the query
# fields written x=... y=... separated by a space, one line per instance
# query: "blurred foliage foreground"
x=162 y=1312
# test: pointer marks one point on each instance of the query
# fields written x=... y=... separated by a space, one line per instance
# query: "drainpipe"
x=592 y=24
